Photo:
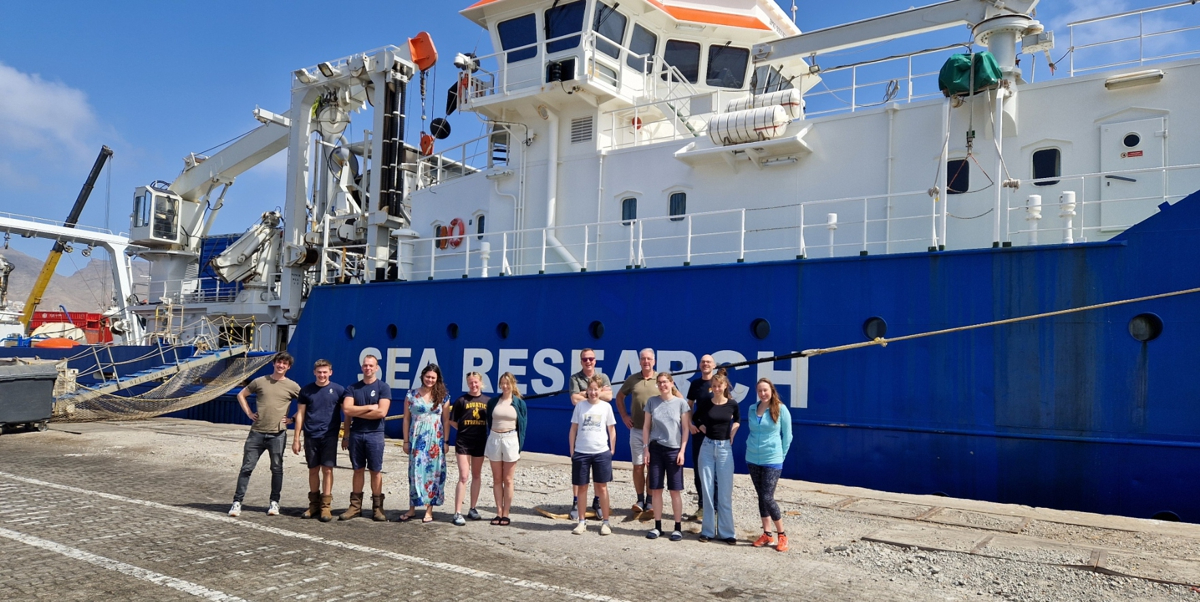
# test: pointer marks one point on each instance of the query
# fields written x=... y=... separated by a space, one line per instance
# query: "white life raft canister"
x=788 y=99
x=750 y=125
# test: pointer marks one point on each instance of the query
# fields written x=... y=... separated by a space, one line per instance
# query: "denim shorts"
x=600 y=466
x=321 y=451
x=664 y=468
x=366 y=451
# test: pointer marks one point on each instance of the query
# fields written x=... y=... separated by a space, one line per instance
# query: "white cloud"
x=42 y=115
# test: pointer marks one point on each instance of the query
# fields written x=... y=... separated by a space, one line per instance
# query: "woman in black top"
x=719 y=422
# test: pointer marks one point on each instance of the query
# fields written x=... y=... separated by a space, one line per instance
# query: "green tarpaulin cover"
x=955 y=76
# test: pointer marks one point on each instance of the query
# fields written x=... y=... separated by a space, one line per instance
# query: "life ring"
x=456 y=239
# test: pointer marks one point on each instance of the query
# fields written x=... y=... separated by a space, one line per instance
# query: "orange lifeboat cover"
x=55 y=343
x=422 y=51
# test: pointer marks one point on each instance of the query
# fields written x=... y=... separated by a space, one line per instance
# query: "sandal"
x=404 y=518
x=504 y=521
x=495 y=521
x=427 y=519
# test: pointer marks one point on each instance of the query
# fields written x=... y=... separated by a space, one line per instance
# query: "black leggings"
x=765 y=479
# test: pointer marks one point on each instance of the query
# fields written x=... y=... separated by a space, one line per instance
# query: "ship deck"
x=136 y=510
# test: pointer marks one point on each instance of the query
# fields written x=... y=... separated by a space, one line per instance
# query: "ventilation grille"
x=581 y=129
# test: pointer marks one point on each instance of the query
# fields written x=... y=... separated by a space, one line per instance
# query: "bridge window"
x=678 y=205
x=516 y=33
x=141 y=211
x=684 y=56
x=610 y=24
x=563 y=20
x=628 y=210
x=642 y=42
x=727 y=66
x=767 y=79
x=958 y=176
x=1047 y=163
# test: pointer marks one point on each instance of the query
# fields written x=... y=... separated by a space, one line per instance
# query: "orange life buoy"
x=426 y=144
x=456 y=239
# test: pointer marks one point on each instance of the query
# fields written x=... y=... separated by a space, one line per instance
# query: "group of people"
x=660 y=421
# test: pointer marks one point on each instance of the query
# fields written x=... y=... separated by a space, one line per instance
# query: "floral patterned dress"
x=427 y=464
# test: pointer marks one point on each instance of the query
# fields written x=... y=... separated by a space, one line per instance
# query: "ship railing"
x=875 y=82
x=472 y=156
x=678 y=118
x=1135 y=37
x=497 y=75
x=60 y=224
x=349 y=263
x=857 y=225
x=187 y=290
x=1071 y=208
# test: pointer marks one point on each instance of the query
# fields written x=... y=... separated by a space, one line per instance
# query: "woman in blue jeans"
x=770 y=437
x=719 y=422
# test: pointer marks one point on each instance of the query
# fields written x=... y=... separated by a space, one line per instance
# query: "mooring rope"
x=884 y=342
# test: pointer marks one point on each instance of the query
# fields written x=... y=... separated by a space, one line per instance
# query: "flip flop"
x=427 y=519
x=404 y=518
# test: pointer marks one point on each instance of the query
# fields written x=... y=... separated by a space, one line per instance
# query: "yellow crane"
x=43 y=279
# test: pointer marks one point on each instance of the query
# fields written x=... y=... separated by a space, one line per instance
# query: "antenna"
x=793 y=12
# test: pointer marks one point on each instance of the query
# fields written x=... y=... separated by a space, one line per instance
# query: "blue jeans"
x=256 y=444
x=716 y=468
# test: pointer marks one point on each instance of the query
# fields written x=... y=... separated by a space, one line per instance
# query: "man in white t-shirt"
x=593 y=441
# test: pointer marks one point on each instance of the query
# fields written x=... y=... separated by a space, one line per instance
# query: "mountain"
x=89 y=289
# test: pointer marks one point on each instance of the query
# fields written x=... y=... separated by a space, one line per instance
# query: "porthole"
x=874 y=328
x=391 y=331
x=452 y=330
x=760 y=328
x=596 y=329
x=1132 y=140
x=350 y=331
x=1145 y=327
x=502 y=330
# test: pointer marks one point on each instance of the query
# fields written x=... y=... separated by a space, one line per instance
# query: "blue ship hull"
x=1070 y=412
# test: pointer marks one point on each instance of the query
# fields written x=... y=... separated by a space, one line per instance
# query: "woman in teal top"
x=770 y=437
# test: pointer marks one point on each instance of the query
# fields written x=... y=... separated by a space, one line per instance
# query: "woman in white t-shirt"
x=592 y=442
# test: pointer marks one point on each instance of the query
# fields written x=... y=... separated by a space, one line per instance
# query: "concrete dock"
x=137 y=511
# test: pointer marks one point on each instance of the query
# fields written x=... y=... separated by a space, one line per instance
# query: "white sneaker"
x=580 y=528
x=273 y=510
x=605 y=529
x=235 y=509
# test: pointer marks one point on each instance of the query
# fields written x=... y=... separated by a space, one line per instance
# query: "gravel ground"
x=824 y=528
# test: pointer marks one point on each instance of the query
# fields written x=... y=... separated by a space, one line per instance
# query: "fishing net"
x=191 y=386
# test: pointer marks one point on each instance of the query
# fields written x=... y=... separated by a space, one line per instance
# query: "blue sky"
x=155 y=80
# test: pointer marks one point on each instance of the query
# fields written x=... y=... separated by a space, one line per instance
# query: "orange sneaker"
x=782 y=546
x=764 y=540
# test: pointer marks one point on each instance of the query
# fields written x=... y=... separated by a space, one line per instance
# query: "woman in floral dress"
x=425 y=415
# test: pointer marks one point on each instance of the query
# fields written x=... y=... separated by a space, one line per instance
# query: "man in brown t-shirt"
x=639 y=387
x=273 y=394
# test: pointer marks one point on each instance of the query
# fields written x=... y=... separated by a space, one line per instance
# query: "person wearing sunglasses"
x=579 y=384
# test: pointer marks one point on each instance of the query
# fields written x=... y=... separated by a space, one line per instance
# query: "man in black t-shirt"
x=468 y=416
x=699 y=397
x=318 y=415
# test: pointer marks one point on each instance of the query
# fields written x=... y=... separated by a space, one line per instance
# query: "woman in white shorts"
x=506 y=418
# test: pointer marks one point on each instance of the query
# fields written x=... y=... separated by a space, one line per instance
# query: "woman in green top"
x=770 y=437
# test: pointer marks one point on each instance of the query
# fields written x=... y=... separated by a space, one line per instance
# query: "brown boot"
x=314 y=505
x=326 y=513
x=355 y=508
x=377 y=507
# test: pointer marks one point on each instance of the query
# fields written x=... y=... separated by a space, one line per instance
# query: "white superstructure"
x=656 y=133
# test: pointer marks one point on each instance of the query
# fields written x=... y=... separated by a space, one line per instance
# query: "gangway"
x=157 y=373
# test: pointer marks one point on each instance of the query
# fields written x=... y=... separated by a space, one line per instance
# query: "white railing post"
x=432 y=252
x=687 y=259
x=585 y=248
x=505 y=268
x=742 y=238
x=1067 y=203
x=853 y=88
x=543 y=268
x=864 y=234
x=466 y=254
x=831 y=225
x=1033 y=214
x=1071 y=32
x=629 y=265
x=802 y=250
x=641 y=255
